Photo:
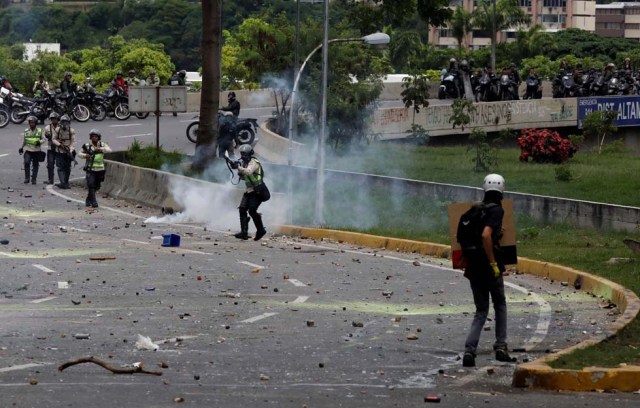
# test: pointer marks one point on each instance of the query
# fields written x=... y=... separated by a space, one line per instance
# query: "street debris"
x=82 y=336
x=432 y=398
x=101 y=258
x=145 y=343
x=33 y=381
x=178 y=399
x=137 y=368
x=311 y=323
x=264 y=377
x=412 y=336
x=4 y=242
x=357 y=324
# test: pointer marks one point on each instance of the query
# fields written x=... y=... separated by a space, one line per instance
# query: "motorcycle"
x=506 y=88
x=534 y=89
x=487 y=89
x=69 y=104
x=244 y=130
x=4 y=111
x=116 y=103
x=19 y=107
x=448 y=86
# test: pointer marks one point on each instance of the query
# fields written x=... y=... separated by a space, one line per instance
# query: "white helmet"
x=493 y=182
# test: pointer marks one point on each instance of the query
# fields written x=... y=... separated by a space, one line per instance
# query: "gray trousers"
x=482 y=289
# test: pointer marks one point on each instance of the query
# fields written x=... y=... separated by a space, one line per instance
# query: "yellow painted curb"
x=535 y=374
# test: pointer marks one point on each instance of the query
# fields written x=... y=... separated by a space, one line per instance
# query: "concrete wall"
x=152 y=187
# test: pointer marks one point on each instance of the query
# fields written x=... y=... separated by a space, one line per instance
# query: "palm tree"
x=460 y=24
x=533 y=41
x=404 y=48
x=498 y=15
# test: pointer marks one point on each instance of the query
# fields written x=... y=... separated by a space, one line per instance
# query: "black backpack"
x=469 y=232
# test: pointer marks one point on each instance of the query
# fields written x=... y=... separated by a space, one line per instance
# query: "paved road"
x=283 y=322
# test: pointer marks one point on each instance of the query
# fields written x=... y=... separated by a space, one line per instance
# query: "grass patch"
x=151 y=158
x=594 y=177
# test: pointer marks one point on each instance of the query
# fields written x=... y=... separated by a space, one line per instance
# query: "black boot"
x=260 y=231
x=244 y=227
x=91 y=198
x=34 y=175
x=27 y=172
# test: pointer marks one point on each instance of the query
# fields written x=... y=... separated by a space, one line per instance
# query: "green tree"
x=461 y=24
x=498 y=16
x=531 y=42
x=405 y=50
x=599 y=125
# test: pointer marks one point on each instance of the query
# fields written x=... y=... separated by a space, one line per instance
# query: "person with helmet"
x=65 y=143
x=485 y=275
x=93 y=152
x=132 y=80
x=233 y=105
x=40 y=86
x=250 y=169
x=65 y=84
x=51 y=132
x=152 y=79
x=31 y=141
x=516 y=79
x=177 y=79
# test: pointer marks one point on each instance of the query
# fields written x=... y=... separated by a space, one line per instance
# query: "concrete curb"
x=535 y=374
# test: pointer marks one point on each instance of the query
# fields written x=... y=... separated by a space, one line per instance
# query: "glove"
x=20 y=150
x=496 y=270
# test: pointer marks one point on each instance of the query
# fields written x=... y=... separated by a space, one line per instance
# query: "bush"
x=151 y=158
x=545 y=146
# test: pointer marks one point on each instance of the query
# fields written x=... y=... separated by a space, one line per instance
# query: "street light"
x=376 y=39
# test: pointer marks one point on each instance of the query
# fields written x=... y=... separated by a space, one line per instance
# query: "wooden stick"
x=91 y=359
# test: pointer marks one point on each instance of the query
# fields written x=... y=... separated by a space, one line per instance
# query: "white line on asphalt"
x=544 y=319
x=301 y=299
x=127 y=136
x=129 y=124
x=259 y=317
x=2 y=155
x=22 y=367
x=43 y=299
x=134 y=241
x=193 y=251
x=296 y=282
x=43 y=268
x=251 y=264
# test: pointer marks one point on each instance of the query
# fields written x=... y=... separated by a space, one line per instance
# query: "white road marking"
x=130 y=124
x=2 y=155
x=296 y=282
x=259 y=317
x=22 y=367
x=138 y=135
x=43 y=268
x=135 y=242
x=43 y=299
x=251 y=264
x=301 y=299
x=193 y=251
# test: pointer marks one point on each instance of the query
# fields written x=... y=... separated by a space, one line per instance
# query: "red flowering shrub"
x=545 y=146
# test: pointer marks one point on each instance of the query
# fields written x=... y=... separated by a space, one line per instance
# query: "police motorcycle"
x=448 y=85
x=19 y=107
x=4 y=110
x=534 y=88
x=244 y=130
x=507 y=87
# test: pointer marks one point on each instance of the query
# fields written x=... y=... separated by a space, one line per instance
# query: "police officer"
x=93 y=152
x=152 y=79
x=50 y=132
x=65 y=143
x=250 y=169
x=31 y=141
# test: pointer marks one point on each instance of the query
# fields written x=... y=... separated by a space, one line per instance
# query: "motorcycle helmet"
x=132 y=72
x=119 y=73
x=54 y=115
x=464 y=65
x=182 y=73
x=32 y=118
x=246 y=151
x=95 y=132
x=152 y=72
x=67 y=75
x=493 y=182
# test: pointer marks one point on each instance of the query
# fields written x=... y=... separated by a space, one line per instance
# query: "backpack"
x=469 y=231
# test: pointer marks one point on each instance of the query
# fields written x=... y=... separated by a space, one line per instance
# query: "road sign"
x=158 y=98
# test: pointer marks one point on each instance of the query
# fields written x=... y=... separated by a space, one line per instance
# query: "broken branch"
x=138 y=369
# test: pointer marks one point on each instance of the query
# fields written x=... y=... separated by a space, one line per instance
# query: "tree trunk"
x=210 y=95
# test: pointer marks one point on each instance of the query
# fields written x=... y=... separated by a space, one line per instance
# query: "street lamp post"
x=371 y=39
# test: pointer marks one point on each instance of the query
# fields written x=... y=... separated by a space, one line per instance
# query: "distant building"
x=618 y=20
x=32 y=49
x=553 y=15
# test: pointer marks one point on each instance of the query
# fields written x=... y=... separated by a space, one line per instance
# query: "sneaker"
x=503 y=355
x=242 y=235
x=260 y=234
x=468 y=360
